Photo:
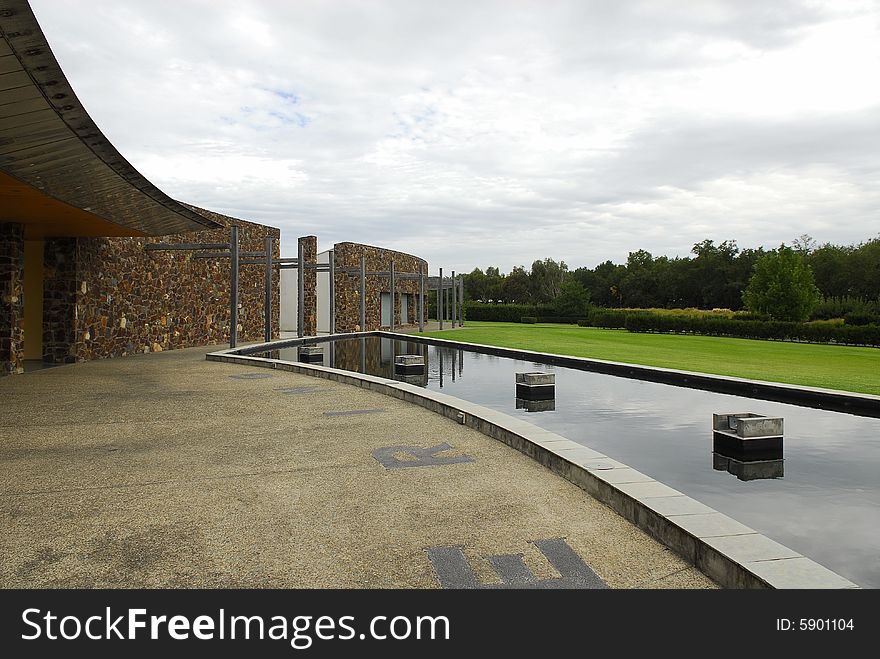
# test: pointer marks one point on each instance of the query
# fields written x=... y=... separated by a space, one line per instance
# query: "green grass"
x=832 y=367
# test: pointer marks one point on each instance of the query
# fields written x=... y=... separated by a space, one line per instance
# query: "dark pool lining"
x=823 y=399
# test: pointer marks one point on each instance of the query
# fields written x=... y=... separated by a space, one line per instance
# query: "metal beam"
x=223 y=255
x=233 y=288
x=161 y=247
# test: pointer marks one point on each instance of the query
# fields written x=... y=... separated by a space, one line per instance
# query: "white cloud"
x=478 y=133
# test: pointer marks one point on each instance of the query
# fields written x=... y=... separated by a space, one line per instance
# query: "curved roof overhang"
x=59 y=175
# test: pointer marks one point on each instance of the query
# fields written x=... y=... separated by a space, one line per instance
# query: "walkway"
x=165 y=470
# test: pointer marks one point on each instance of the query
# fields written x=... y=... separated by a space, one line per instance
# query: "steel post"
x=233 y=287
x=332 y=291
x=267 y=301
x=421 y=301
x=363 y=295
x=440 y=299
x=300 y=292
x=461 y=300
x=391 y=286
x=454 y=304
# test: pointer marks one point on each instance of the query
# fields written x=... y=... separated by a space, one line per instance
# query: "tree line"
x=714 y=276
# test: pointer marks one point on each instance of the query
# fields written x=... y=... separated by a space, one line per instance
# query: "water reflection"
x=749 y=470
x=827 y=505
x=535 y=405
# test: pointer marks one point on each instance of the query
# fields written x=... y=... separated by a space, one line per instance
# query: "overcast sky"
x=495 y=133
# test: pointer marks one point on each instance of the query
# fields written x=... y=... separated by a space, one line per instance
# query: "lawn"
x=832 y=367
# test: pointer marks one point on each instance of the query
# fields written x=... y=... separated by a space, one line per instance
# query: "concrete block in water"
x=409 y=364
x=311 y=353
x=536 y=378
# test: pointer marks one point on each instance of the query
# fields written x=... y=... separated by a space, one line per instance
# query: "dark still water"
x=826 y=505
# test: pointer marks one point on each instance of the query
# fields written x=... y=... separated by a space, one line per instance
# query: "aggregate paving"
x=165 y=470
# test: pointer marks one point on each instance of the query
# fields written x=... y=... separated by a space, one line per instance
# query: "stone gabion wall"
x=347 y=255
x=129 y=300
x=59 y=300
x=11 y=298
x=310 y=285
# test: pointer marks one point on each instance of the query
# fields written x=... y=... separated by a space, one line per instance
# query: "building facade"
x=346 y=258
x=76 y=279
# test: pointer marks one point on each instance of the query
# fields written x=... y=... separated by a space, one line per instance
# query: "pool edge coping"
x=728 y=552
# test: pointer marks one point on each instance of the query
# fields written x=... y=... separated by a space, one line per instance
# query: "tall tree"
x=573 y=300
x=830 y=265
x=476 y=285
x=639 y=285
x=516 y=286
x=546 y=280
x=782 y=286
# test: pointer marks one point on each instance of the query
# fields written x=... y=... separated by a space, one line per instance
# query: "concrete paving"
x=165 y=470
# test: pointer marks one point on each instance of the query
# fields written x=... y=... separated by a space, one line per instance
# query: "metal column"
x=332 y=292
x=422 y=301
x=233 y=288
x=300 y=293
x=461 y=296
x=440 y=299
x=392 y=297
x=454 y=304
x=363 y=295
x=267 y=302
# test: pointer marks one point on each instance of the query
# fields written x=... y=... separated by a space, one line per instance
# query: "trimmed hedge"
x=838 y=307
x=562 y=320
x=504 y=313
x=612 y=318
x=746 y=315
x=529 y=320
x=868 y=335
x=861 y=318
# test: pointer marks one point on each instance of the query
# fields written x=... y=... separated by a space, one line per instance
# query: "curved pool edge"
x=730 y=553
